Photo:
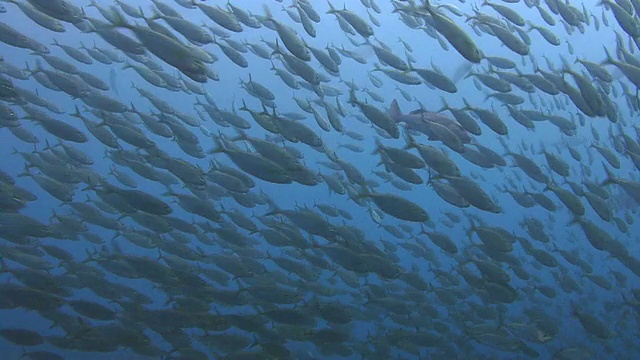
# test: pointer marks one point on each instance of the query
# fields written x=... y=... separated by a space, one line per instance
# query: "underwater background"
x=305 y=180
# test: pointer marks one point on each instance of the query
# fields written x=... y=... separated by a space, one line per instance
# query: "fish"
x=418 y=120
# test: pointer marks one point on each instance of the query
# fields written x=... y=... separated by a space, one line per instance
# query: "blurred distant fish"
x=112 y=81
x=461 y=71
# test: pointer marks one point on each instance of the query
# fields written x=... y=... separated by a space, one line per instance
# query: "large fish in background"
x=420 y=120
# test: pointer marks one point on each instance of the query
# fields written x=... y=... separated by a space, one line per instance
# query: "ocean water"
x=401 y=295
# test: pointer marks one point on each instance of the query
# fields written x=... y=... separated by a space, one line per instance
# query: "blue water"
x=375 y=331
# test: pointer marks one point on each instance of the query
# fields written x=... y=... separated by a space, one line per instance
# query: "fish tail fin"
x=364 y=193
x=277 y=50
x=219 y=146
x=47 y=146
x=244 y=106
x=77 y=114
x=25 y=171
x=423 y=231
x=240 y=135
x=273 y=210
x=120 y=20
x=609 y=60
x=155 y=14
x=331 y=8
x=472 y=228
x=378 y=148
x=353 y=100
x=467 y=106
x=411 y=142
x=267 y=12
x=409 y=61
x=575 y=220
x=394 y=110
x=610 y=179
